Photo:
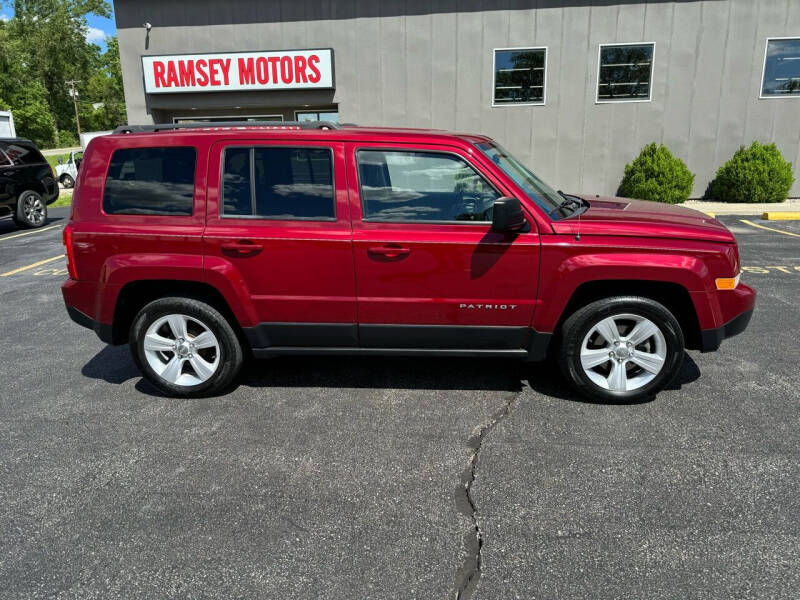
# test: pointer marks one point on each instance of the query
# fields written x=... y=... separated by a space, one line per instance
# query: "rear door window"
x=281 y=183
x=150 y=181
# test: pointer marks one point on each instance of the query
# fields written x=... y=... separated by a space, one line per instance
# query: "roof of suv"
x=15 y=139
x=320 y=129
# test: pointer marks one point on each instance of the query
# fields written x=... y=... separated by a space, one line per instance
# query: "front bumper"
x=735 y=310
x=711 y=339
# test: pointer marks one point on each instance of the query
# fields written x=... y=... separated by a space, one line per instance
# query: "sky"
x=99 y=27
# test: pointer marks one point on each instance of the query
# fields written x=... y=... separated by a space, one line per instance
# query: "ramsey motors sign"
x=238 y=71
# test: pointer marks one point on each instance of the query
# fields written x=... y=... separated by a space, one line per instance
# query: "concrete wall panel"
x=428 y=63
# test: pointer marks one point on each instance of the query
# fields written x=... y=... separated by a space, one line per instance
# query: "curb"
x=781 y=216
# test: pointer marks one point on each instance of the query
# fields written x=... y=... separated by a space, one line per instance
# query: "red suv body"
x=323 y=239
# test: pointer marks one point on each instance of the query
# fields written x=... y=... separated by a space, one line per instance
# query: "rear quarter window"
x=23 y=153
x=150 y=181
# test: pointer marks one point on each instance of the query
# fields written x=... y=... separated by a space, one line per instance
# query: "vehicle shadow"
x=114 y=365
x=7 y=225
x=545 y=378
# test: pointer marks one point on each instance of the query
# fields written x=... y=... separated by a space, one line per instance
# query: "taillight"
x=73 y=273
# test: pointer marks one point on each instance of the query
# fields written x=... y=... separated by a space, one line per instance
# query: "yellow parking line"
x=16 y=235
x=769 y=228
x=33 y=266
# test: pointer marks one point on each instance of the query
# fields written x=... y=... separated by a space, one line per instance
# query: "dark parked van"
x=27 y=183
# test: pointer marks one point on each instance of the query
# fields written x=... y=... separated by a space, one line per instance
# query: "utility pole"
x=74 y=93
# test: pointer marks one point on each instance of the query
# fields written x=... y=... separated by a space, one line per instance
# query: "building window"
x=234 y=118
x=317 y=115
x=278 y=183
x=405 y=186
x=781 y=76
x=625 y=72
x=150 y=181
x=519 y=76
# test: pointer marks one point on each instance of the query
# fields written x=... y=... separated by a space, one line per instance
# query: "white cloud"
x=4 y=17
x=95 y=35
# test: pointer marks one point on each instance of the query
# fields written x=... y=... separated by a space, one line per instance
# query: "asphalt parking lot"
x=343 y=478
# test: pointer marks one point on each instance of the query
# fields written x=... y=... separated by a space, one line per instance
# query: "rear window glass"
x=278 y=183
x=150 y=181
x=23 y=153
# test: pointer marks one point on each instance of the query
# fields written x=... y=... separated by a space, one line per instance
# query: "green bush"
x=66 y=139
x=656 y=174
x=755 y=174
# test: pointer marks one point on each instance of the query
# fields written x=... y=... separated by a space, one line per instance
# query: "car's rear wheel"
x=185 y=347
x=621 y=349
x=31 y=210
x=67 y=181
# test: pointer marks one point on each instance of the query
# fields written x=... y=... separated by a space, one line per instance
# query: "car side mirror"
x=507 y=216
x=60 y=160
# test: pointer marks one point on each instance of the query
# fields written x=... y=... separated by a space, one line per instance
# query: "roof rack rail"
x=209 y=124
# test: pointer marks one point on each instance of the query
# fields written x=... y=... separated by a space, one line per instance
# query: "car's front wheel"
x=621 y=349
x=185 y=347
x=67 y=181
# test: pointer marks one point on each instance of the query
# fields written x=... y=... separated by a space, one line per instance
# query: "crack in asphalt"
x=470 y=571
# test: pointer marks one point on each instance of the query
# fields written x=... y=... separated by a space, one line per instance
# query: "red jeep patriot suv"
x=199 y=244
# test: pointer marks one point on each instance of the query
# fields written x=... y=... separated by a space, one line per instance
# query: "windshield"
x=537 y=190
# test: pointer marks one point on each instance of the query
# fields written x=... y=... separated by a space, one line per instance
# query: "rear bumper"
x=51 y=190
x=103 y=331
x=738 y=308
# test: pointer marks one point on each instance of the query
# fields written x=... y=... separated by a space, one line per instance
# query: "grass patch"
x=64 y=199
x=53 y=159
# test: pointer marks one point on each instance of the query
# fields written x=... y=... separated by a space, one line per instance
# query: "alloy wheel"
x=33 y=207
x=182 y=350
x=623 y=352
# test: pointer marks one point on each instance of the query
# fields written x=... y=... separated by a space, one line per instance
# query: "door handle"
x=242 y=248
x=389 y=251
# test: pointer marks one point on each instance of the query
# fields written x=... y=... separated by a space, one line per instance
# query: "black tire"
x=67 y=181
x=230 y=359
x=31 y=210
x=579 y=325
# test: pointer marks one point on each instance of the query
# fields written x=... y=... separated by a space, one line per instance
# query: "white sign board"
x=239 y=71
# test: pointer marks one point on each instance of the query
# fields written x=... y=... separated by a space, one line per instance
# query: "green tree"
x=755 y=174
x=32 y=118
x=41 y=48
x=104 y=87
x=56 y=50
x=658 y=175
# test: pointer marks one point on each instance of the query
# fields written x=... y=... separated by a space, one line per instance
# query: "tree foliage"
x=41 y=48
x=656 y=174
x=755 y=174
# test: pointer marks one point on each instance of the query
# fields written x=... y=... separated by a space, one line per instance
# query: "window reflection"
x=519 y=76
x=782 y=68
x=625 y=72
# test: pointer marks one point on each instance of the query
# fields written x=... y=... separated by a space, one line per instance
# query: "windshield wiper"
x=567 y=202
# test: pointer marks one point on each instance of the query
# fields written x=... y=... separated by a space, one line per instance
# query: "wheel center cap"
x=622 y=353
x=183 y=349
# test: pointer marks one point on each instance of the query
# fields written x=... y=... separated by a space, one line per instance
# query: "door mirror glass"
x=507 y=216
